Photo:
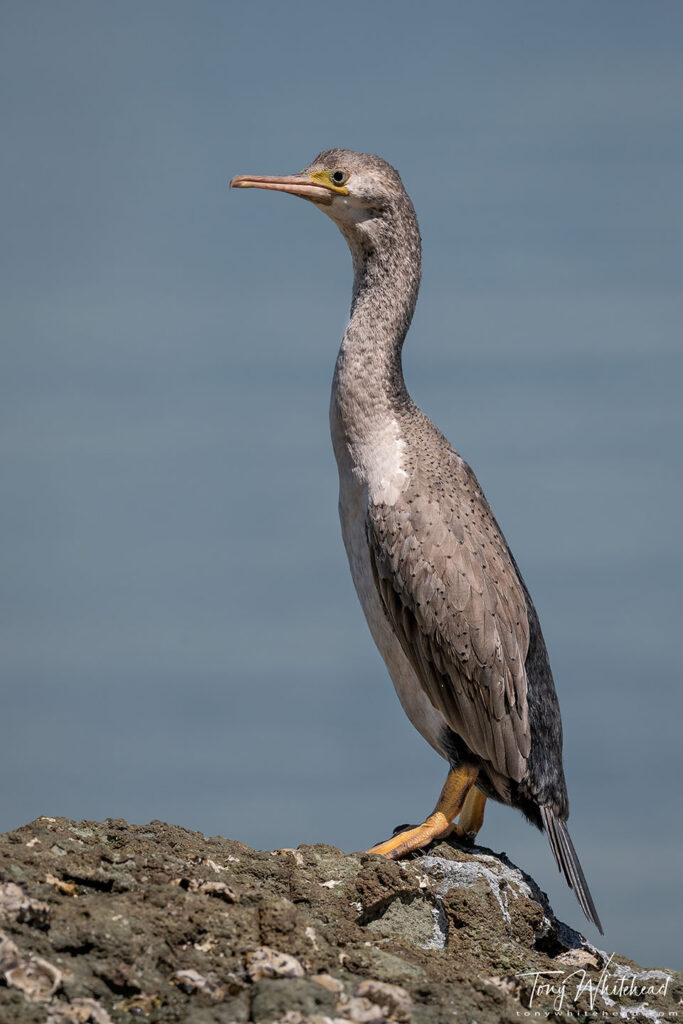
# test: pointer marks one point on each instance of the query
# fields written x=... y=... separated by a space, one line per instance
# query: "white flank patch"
x=380 y=463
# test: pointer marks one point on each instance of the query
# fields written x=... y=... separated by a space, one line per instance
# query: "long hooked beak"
x=295 y=184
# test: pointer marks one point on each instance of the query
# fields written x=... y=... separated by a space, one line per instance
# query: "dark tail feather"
x=568 y=863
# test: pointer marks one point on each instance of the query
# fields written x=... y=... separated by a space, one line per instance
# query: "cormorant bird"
x=441 y=591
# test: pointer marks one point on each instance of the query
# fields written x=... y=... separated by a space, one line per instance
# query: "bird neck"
x=368 y=382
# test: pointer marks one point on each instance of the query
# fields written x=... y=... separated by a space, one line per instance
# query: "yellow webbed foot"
x=452 y=801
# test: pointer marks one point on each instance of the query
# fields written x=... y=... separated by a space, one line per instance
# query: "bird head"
x=351 y=188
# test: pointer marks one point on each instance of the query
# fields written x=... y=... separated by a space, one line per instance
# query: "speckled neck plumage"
x=368 y=384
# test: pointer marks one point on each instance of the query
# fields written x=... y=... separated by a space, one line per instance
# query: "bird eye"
x=339 y=177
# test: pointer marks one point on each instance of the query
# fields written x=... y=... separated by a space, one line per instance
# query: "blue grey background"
x=180 y=635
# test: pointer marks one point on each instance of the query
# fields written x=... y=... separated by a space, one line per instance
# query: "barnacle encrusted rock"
x=105 y=923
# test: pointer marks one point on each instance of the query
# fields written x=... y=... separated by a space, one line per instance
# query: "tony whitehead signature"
x=609 y=986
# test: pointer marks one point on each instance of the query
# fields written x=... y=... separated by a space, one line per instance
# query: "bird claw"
x=414 y=853
x=402 y=828
x=397 y=831
x=420 y=852
x=461 y=836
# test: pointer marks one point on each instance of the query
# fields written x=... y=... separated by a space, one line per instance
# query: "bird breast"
x=373 y=472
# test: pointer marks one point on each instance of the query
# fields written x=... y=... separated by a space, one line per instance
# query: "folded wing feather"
x=454 y=598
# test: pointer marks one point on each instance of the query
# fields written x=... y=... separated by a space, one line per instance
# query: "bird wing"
x=456 y=602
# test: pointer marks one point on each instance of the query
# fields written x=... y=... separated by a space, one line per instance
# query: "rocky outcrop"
x=110 y=922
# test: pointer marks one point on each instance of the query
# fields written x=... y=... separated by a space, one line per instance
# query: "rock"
x=269 y=963
x=9 y=954
x=70 y=888
x=393 y=1000
x=107 y=922
x=331 y=984
x=193 y=981
x=15 y=905
x=37 y=979
x=274 y=997
x=219 y=889
x=362 y=1011
x=80 y=1011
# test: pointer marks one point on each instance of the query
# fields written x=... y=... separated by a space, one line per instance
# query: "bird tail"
x=569 y=864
